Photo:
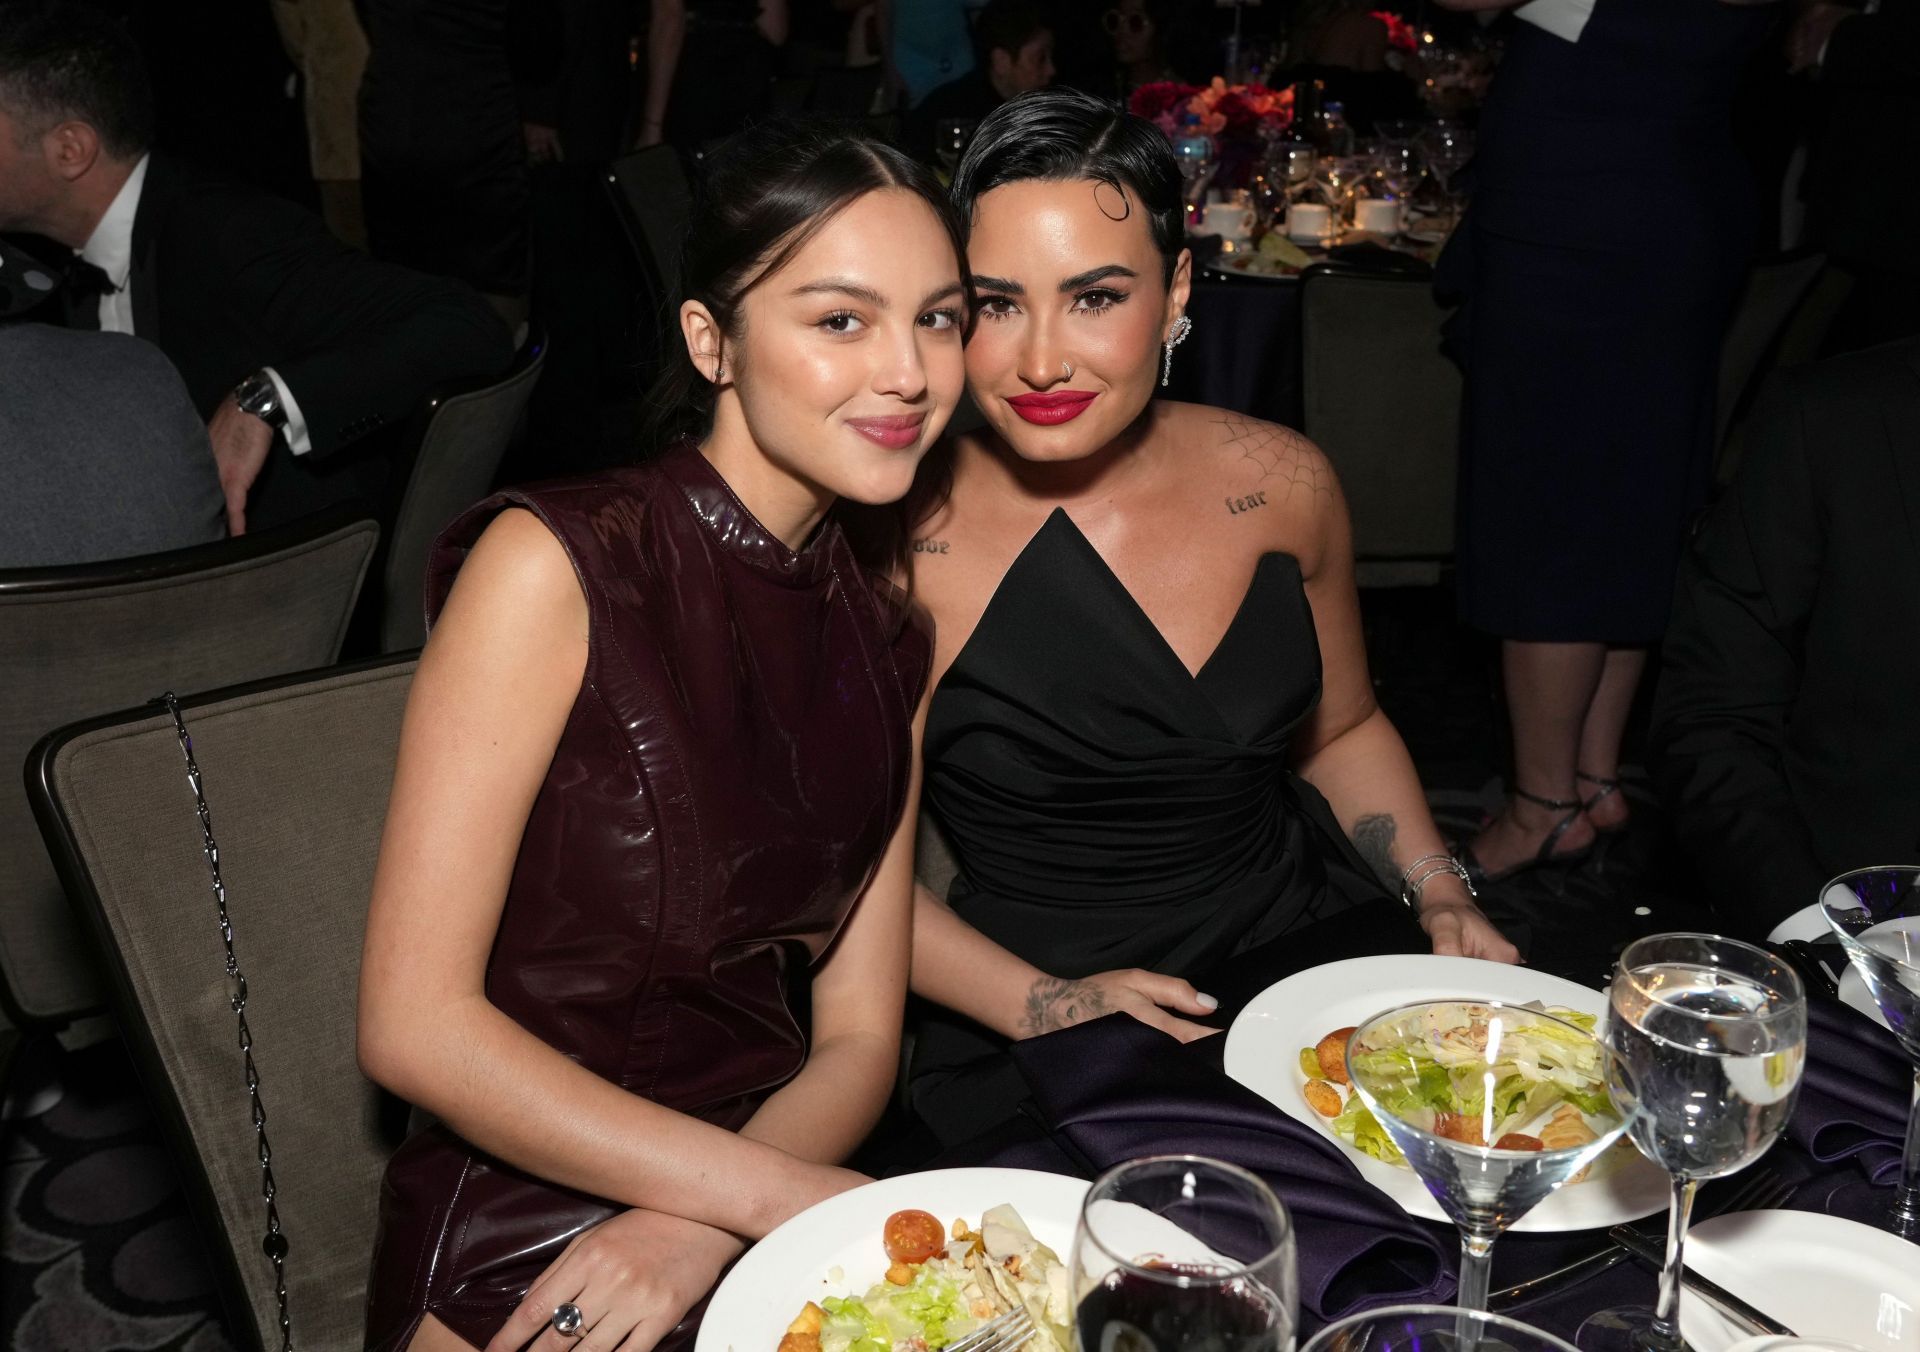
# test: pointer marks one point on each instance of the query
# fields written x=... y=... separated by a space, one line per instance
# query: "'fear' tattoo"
x=1278 y=453
x=1235 y=506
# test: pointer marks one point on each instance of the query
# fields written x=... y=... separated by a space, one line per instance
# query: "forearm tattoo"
x=1278 y=453
x=1054 y=1003
x=1373 y=837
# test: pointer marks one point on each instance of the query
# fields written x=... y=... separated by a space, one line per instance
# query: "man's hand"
x=1809 y=34
x=240 y=445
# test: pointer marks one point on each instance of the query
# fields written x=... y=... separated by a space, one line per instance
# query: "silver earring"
x=1175 y=336
x=719 y=370
x=1068 y=368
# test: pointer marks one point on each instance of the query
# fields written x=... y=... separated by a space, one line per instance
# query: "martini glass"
x=1876 y=913
x=1431 y=1328
x=1452 y=1082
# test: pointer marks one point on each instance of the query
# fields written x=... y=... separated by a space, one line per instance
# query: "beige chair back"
x=75 y=642
x=453 y=467
x=296 y=775
x=1383 y=401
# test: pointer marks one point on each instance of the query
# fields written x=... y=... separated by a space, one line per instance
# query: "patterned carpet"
x=98 y=1254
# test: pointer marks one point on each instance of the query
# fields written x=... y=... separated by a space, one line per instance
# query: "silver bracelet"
x=1429 y=866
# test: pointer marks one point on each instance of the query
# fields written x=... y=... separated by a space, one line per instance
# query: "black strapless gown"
x=1109 y=809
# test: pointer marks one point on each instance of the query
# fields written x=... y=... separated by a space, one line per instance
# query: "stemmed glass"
x=1195 y=154
x=1178 y=1253
x=1430 y=1328
x=950 y=137
x=1462 y=1087
x=1876 y=913
x=1713 y=1033
x=1447 y=147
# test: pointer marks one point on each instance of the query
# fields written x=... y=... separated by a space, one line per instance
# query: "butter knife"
x=1653 y=1254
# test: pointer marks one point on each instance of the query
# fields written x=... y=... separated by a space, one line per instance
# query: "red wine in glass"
x=1178 y=1307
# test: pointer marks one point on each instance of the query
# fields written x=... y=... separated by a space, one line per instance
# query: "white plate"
x=1263 y=1053
x=1854 y=993
x=766 y=1288
x=1821 y=1276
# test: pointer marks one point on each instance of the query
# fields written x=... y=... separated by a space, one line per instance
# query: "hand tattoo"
x=1054 y=1003
x=1373 y=837
x=1274 y=450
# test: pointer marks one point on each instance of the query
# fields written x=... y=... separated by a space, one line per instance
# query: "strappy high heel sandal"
x=1606 y=789
x=1545 y=857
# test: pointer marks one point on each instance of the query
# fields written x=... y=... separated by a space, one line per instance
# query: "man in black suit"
x=293 y=347
x=1862 y=197
x=1786 y=731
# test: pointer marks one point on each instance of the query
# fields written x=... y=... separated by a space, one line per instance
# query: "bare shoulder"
x=1260 y=456
x=518 y=575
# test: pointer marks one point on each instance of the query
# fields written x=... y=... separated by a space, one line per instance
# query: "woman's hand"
x=1459 y=929
x=632 y=1276
x=1055 y=1002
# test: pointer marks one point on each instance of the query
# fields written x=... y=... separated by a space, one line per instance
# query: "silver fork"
x=1764 y=1191
x=1003 y=1333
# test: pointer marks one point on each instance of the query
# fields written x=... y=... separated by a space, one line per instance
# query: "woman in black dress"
x=1153 y=742
x=1611 y=224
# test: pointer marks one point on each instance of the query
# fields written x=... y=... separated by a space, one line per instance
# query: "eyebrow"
x=1001 y=286
x=841 y=286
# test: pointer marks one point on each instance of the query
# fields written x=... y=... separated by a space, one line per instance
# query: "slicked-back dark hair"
x=1058 y=135
x=62 y=59
x=765 y=193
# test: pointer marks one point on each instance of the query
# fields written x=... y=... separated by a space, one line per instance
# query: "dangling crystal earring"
x=1178 y=335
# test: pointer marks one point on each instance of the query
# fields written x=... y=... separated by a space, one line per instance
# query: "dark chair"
x=296 y=773
x=1384 y=403
x=463 y=435
x=653 y=199
x=75 y=642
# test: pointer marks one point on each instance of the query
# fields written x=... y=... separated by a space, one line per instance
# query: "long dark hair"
x=765 y=193
x=1062 y=134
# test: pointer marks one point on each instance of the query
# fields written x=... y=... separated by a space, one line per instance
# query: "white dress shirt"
x=110 y=248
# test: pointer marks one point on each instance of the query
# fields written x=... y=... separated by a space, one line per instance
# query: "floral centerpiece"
x=1241 y=119
x=1400 y=34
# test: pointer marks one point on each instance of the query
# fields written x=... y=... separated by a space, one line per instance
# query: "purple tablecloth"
x=1114 y=1090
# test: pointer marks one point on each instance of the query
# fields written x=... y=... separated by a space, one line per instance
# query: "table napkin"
x=1855 y=1092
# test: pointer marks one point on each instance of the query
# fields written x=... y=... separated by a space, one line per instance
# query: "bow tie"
x=85 y=279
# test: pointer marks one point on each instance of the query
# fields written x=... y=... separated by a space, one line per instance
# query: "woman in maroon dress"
x=660 y=744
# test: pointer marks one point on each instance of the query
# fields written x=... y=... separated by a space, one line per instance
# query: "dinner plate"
x=798 y=1261
x=1243 y=265
x=1263 y=1053
x=1821 y=1276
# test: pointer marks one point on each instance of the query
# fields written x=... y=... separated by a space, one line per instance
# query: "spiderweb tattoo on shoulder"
x=1277 y=453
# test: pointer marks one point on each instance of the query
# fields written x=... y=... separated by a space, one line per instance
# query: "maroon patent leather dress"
x=724 y=787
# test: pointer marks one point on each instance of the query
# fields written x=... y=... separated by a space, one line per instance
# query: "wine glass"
x=1178 y=1253
x=950 y=137
x=1478 y=1096
x=1714 y=1032
x=1447 y=147
x=1430 y=1328
x=1195 y=154
x=1876 y=913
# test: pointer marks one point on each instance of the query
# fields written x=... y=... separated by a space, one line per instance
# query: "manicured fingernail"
x=1207 y=1002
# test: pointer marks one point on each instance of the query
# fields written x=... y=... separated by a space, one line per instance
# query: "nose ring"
x=1068 y=368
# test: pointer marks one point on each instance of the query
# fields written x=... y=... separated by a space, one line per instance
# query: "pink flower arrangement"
x=1234 y=112
x=1400 y=34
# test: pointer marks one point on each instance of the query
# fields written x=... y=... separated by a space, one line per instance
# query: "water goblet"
x=1431 y=1328
x=1714 y=1034
x=1179 y=1253
x=1876 y=913
x=1494 y=1106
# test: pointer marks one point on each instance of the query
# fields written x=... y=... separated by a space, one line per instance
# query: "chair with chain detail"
x=84 y=640
x=295 y=774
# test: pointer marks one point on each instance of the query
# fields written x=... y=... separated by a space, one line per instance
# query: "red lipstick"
x=1052 y=408
x=896 y=433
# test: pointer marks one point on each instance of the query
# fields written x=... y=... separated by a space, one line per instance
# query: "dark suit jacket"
x=1786 y=729
x=1870 y=81
x=227 y=279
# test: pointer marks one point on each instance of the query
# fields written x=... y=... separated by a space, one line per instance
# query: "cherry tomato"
x=913 y=1236
x=1515 y=1140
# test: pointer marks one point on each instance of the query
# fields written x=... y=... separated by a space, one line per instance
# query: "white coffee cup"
x=1309 y=222
x=1377 y=216
x=1229 y=220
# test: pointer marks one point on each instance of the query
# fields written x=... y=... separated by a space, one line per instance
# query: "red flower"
x=1161 y=101
x=1399 y=32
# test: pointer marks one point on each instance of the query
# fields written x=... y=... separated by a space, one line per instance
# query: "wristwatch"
x=258 y=395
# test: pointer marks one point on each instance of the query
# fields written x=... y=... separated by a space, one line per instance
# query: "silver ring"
x=1067 y=366
x=567 y=1320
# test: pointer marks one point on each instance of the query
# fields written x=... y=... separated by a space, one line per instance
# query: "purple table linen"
x=1854 y=1095
x=1115 y=1089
